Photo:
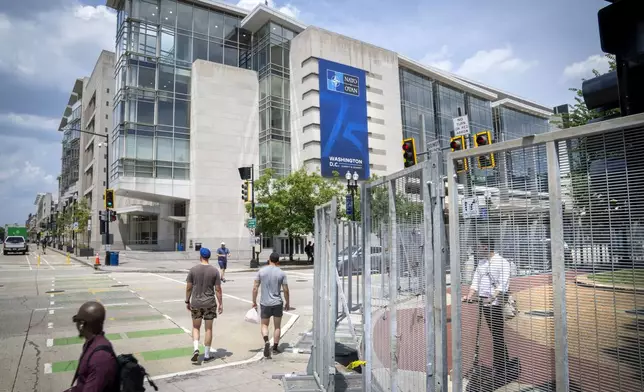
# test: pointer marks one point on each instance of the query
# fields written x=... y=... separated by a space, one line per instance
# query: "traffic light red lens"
x=406 y=146
x=481 y=140
x=455 y=145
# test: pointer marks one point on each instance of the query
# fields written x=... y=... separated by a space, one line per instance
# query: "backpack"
x=131 y=375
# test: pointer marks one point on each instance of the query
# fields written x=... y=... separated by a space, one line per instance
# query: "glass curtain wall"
x=157 y=42
x=270 y=58
x=523 y=168
x=417 y=98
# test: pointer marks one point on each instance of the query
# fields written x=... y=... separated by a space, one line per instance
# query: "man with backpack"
x=99 y=369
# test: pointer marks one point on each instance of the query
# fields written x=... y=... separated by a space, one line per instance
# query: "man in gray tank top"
x=271 y=279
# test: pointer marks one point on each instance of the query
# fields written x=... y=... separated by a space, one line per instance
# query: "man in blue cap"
x=203 y=283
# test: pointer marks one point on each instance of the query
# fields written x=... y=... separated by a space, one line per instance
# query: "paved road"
x=146 y=315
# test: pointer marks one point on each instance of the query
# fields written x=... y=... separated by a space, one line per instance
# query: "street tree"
x=289 y=202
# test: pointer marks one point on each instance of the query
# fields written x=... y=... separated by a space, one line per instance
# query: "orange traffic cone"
x=97 y=262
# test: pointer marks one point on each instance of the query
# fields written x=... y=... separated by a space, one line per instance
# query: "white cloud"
x=584 y=69
x=286 y=9
x=29 y=121
x=495 y=60
x=439 y=60
x=53 y=48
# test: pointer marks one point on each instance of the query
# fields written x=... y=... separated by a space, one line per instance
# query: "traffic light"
x=409 y=152
x=484 y=161
x=109 y=199
x=112 y=216
x=245 y=191
x=457 y=143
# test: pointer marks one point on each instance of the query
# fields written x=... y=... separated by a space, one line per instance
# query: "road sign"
x=252 y=223
x=75 y=227
x=349 y=205
x=461 y=126
x=256 y=240
x=261 y=205
x=470 y=207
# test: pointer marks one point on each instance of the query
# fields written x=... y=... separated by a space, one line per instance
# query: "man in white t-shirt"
x=491 y=281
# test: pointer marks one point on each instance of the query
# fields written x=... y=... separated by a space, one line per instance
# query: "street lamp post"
x=352 y=187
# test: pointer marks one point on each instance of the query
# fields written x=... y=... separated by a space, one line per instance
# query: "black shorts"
x=272 y=311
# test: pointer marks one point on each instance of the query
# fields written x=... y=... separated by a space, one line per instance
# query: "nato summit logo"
x=342 y=83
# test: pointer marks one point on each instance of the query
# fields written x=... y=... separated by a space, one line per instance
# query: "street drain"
x=636 y=312
x=120 y=285
x=54 y=291
x=541 y=313
x=301 y=280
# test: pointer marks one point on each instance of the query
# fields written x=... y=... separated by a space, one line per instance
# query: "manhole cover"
x=120 y=285
x=636 y=312
x=301 y=280
x=54 y=291
x=541 y=313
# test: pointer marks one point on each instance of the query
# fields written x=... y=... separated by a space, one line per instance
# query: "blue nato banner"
x=344 y=141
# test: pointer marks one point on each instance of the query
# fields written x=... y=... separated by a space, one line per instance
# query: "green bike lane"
x=146 y=316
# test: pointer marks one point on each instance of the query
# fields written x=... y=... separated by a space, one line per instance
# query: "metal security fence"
x=404 y=255
x=560 y=220
x=325 y=288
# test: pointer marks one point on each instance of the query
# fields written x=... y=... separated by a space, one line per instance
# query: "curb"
x=104 y=268
x=587 y=282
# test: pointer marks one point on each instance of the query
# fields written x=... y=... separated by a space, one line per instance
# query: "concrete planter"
x=85 y=252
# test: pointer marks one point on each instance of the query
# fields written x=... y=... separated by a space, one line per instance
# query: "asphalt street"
x=146 y=316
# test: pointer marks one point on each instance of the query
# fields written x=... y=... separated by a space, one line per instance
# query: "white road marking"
x=51 y=311
x=225 y=295
x=50 y=266
x=41 y=309
x=142 y=298
x=168 y=317
x=256 y=358
x=28 y=262
x=51 y=303
x=48 y=368
x=150 y=305
x=308 y=276
x=173 y=300
x=50 y=342
x=50 y=325
x=186 y=330
x=51 y=296
x=117 y=304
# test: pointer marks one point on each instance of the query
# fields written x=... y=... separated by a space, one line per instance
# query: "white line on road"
x=168 y=317
x=51 y=311
x=50 y=266
x=186 y=330
x=51 y=296
x=41 y=309
x=50 y=325
x=173 y=300
x=225 y=295
x=256 y=358
x=50 y=342
x=28 y=262
x=117 y=304
x=48 y=368
x=51 y=303
x=141 y=298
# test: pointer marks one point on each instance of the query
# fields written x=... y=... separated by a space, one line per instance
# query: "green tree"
x=82 y=214
x=290 y=201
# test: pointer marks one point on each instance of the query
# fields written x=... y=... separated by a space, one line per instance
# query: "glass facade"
x=70 y=164
x=417 y=98
x=522 y=165
x=270 y=58
x=157 y=41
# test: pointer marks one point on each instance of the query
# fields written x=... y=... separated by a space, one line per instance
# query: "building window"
x=108 y=90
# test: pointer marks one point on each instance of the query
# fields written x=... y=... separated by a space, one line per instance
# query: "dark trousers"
x=495 y=321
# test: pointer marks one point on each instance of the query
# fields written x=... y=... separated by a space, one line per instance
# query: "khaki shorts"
x=204 y=313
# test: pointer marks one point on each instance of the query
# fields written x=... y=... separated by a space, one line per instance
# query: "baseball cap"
x=205 y=253
x=223 y=243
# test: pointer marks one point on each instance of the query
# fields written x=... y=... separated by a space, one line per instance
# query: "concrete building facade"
x=97 y=104
x=203 y=87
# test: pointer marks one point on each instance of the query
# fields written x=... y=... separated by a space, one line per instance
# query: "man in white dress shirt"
x=491 y=281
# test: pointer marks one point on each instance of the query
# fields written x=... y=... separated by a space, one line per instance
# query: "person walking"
x=97 y=367
x=308 y=249
x=271 y=279
x=222 y=258
x=491 y=281
x=203 y=284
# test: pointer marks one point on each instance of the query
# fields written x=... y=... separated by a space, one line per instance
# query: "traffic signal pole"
x=254 y=258
x=107 y=186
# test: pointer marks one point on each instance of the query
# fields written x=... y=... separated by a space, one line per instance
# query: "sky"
x=534 y=49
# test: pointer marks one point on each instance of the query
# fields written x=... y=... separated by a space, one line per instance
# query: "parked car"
x=356 y=253
x=15 y=244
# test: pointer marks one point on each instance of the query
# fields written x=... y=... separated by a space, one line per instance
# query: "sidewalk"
x=257 y=376
x=166 y=266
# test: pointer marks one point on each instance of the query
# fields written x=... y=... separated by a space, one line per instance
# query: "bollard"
x=97 y=262
x=69 y=259
x=38 y=263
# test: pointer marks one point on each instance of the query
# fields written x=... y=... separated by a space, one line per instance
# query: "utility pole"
x=255 y=257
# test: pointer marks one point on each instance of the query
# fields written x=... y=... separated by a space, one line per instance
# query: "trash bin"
x=114 y=258
x=107 y=257
x=180 y=248
x=197 y=245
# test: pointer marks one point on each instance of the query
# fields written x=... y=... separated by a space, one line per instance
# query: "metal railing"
x=573 y=259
